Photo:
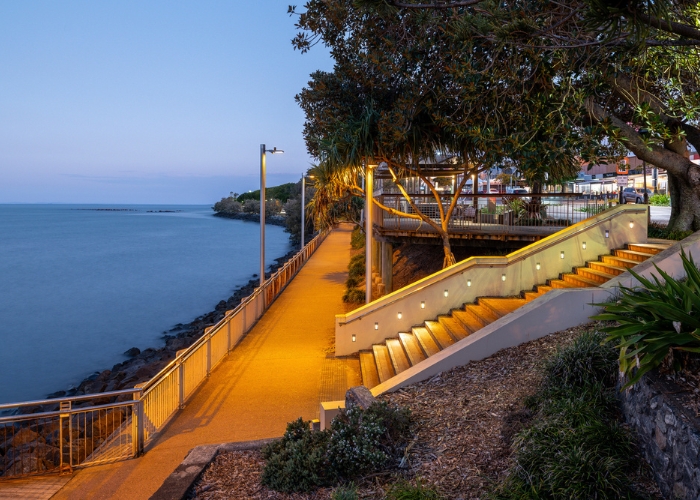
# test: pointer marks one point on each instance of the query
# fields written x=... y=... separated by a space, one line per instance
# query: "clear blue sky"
x=147 y=102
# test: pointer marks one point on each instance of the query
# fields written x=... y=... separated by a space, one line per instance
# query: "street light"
x=262 y=207
x=303 y=206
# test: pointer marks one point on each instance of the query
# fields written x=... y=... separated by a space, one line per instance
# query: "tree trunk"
x=685 y=208
x=447 y=248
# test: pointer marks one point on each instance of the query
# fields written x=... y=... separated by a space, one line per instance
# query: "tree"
x=630 y=67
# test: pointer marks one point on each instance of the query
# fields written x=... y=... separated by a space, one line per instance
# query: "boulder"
x=359 y=396
x=134 y=351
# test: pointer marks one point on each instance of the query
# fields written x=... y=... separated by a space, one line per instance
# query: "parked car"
x=635 y=194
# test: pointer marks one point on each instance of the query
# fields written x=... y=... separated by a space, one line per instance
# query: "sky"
x=163 y=102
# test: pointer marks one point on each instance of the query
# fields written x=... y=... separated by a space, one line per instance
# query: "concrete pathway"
x=280 y=371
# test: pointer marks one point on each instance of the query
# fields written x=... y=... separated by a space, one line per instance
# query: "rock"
x=359 y=396
x=24 y=436
x=57 y=394
x=134 y=351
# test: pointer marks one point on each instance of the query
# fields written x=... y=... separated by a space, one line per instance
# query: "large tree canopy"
x=543 y=84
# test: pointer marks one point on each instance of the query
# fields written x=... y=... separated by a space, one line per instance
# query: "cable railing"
x=497 y=213
x=59 y=435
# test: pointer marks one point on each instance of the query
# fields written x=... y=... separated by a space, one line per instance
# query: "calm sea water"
x=78 y=286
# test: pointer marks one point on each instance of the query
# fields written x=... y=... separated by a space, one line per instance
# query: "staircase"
x=398 y=354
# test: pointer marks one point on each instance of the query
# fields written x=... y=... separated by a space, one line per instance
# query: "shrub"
x=228 y=206
x=576 y=448
x=251 y=206
x=357 y=238
x=356 y=268
x=298 y=461
x=654 y=320
x=353 y=282
x=345 y=493
x=406 y=491
x=357 y=442
x=657 y=230
x=662 y=200
x=354 y=295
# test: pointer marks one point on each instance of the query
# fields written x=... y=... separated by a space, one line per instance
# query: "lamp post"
x=303 y=206
x=369 y=193
x=263 y=152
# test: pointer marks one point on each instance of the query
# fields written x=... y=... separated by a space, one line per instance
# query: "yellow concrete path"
x=272 y=377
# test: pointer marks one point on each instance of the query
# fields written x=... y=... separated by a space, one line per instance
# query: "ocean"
x=81 y=284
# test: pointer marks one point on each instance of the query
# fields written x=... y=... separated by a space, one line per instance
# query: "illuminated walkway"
x=279 y=372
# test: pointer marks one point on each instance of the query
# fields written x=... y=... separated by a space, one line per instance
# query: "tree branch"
x=669 y=26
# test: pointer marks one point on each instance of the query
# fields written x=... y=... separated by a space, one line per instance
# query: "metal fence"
x=59 y=435
x=502 y=213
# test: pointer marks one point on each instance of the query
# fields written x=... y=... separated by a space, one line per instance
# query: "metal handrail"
x=85 y=397
x=554 y=241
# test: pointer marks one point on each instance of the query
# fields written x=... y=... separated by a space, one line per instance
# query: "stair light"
x=469 y=282
x=537 y=266
x=561 y=254
x=631 y=225
x=503 y=277
x=376 y=326
x=399 y=315
x=584 y=245
x=353 y=337
x=422 y=304
x=607 y=233
x=446 y=293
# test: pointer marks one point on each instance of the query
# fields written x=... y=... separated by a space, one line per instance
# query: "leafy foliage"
x=345 y=493
x=357 y=238
x=660 y=200
x=576 y=448
x=357 y=442
x=282 y=193
x=656 y=230
x=654 y=320
x=404 y=490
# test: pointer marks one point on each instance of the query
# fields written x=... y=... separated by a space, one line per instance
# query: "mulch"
x=465 y=420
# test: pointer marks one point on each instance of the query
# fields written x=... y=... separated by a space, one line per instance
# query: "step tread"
x=595 y=272
x=653 y=247
x=440 y=334
x=643 y=255
x=562 y=284
x=397 y=355
x=612 y=267
x=623 y=260
x=383 y=360
x=426 y=341
x=502 y=305
x=468 y=320
x=368 y=367
x=543 y=288
x=454 y=327
x=412 y=347
x=481 y=313
x=579 y=280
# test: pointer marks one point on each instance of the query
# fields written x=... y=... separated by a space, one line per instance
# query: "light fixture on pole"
x=303 y=206
x=369 y=192
x=262 y=207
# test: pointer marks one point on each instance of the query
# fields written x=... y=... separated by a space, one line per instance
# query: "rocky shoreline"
x=143 y=365
x=273 y=220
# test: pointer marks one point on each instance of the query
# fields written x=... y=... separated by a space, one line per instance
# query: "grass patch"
x=404 y=490
x=576 y=446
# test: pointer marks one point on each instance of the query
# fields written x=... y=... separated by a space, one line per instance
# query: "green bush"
x=357 y=238
x=657 y=230
x=576 y=448
x=353 y=296
x=662 y=200
x=357 y=442
x=356 y=268
x=406 y=491
x=345 y=493
x=353 y=281
x=654 y=320
x=298 y=461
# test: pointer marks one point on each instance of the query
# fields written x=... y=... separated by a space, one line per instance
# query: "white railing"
x=56 y=436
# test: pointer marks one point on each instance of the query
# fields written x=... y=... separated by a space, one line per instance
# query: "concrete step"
x=578 y=280
x=607 y=268
x=500 y=306
x=594 y=274
x=650 y=248
x=384 y=367
x=397 y=355
x=561 y=284
x=482 y=314
x=468 y=320
x=440 y=334
x=619 y=261
x=412 y=348
x=454 y=327
x=426 y=341
x=368 y=367
x=542 y=288
x=530 y=295
x=632 y=255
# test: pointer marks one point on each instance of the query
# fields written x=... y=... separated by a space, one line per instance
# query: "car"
x=519 y=191
x=635 y=194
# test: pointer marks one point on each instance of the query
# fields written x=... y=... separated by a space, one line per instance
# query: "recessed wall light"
x=607 y=233
x=631 y=225
x=561 y=255
x=353 y=337
x=503 y=277
x=446 y=293
x=583 y=245
x=469 y=282
x=422 y=304
x=537 y=266
x=399 y=315
x=376 y=326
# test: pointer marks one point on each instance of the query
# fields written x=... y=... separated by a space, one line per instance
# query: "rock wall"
x=669 y=436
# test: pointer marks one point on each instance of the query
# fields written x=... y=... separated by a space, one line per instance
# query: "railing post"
x=181 y=379
x=64 y=417
x=138 y=415
x=228 y=332
x=207 y=332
